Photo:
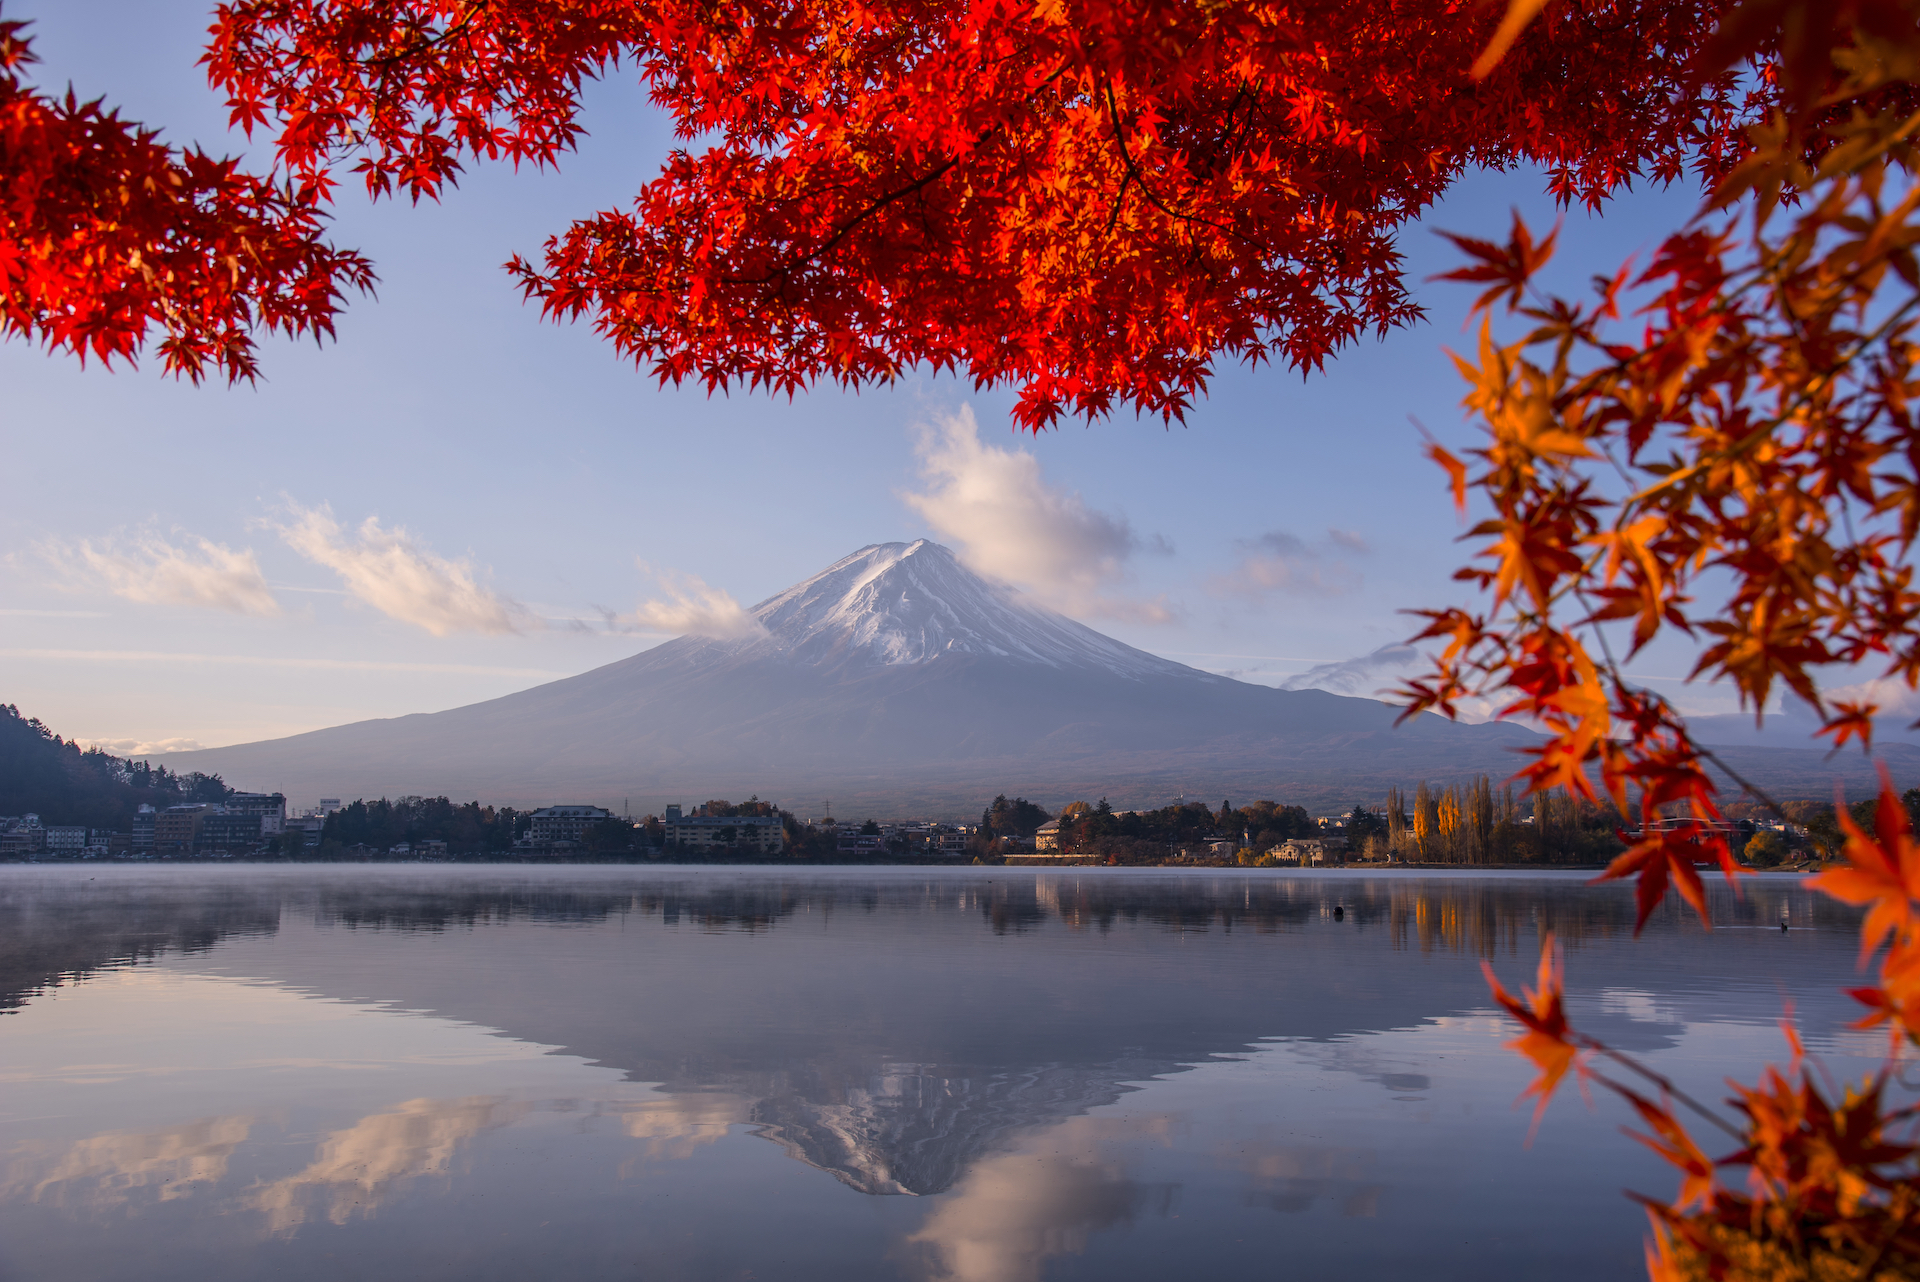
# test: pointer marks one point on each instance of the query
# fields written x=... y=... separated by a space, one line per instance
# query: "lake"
x=984 y=1074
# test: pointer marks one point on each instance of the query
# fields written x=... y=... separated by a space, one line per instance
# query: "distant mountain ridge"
x=893 y=682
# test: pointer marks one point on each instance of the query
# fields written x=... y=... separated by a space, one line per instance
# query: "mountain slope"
x=893 y=682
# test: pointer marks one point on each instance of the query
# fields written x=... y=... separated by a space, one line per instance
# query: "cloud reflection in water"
x=674 y=1127
x=1015 y=1211
x=106 y=1169
x=467 y=1075
x=357 y=1167
x=1291 y=1178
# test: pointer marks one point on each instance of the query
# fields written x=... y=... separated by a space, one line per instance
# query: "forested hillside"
x=43 y=774
x=467 y=829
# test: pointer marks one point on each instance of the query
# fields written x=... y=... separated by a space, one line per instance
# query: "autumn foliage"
x=108 y=236
x=1823 y=1182
x=1095 y=202
x=1721 y=443
x=1092 y=201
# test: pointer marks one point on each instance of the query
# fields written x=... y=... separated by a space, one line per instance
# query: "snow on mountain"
x=911 y=603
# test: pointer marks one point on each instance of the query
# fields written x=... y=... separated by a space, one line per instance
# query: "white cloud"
x=1281 y=562
x=691 y=608
x=142 y=747
x=1894 y=697
x=1365 y=676
x=1374 y=676
x=1011 y=1212
x=277 y=661
x=1008 y=523
x=197 y=572
x=387 y=570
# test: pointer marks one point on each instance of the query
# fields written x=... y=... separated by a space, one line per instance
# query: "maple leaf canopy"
x=1090 y=201
x=108 y=234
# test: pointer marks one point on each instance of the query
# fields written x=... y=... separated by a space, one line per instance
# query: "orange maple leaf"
x=1542 y=1012
x=1851 y=721
x=1668 y=856
x=1884 y=872
x=1896 y=1001
x=1671 y=1141
x=1456 y=472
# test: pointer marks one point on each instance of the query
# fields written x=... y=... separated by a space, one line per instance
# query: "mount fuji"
x=894 y=682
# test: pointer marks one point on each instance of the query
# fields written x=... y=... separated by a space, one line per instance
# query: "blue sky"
x=526 y=482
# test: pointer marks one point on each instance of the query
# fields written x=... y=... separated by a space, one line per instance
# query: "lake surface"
x=986 y=1075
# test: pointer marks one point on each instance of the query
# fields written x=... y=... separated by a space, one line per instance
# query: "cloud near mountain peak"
x=688 y=606
x=1008 y=522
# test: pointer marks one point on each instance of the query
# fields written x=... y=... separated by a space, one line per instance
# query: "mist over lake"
x=980 y=1074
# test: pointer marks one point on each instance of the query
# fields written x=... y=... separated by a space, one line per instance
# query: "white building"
x=764 y=834
x=66 y=842
x=271 y=807
x=1304 y=851
x=22 y=835
x=565 y=823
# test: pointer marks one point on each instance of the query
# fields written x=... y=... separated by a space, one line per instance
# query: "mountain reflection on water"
x=961 y=1034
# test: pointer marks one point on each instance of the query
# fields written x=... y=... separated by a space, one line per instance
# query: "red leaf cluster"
x=1756 y=433
x=1091 y=199
x=107 y=234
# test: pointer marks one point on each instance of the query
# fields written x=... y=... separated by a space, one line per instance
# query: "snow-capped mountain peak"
x=911 y=603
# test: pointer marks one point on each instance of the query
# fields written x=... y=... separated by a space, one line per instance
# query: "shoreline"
x=1023 y=866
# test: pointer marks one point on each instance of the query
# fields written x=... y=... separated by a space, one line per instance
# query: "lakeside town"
x=1434 y=826
x=62 y=802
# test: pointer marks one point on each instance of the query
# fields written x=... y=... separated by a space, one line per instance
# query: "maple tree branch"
x=845 y=229
x=874 y=207
x=1232 y=135
x=1666 y=1086
x=1133 y=171
x=429 y=44
x=1634 y=504
x=1619 y=677
x=1773 y=424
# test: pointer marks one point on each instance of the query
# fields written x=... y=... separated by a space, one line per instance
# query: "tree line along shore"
x=1473 y=824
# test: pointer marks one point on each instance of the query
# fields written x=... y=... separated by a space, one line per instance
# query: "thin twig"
x=473 y=11
x=846 y=229
x=1126 y=156
x=1666 y=1087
